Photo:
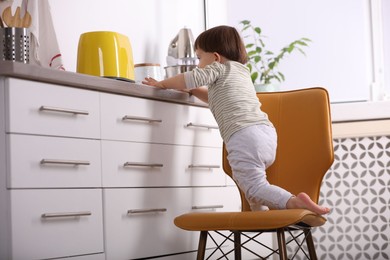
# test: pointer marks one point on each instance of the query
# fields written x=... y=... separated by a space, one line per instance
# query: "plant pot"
x=266 y=87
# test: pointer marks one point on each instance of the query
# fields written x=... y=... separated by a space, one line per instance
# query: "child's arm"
x=176 y=82
x=201 y=93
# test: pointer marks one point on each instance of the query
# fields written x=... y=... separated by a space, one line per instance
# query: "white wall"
x=149 y=24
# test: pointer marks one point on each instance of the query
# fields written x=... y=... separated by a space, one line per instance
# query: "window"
x=346 y=54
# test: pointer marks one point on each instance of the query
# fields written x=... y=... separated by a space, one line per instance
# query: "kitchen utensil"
x=15 y=44
x=181 y=54
x=106 y=54
x=171 y=71
x=143 y=70
x=15 y=20
x=181 y=48
x=1 y=23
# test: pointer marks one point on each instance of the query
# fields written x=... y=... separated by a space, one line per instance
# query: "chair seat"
x=247 y=220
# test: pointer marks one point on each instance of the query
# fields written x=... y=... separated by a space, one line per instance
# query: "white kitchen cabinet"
x=85 y=257
x=51 y=194
x=133 y=216
x=50 y=162
x=47 y=109
x=225 y=199
x=138 y=222
x=55 y=223
x=95 y=175
x=141 y=120
x=132 y=164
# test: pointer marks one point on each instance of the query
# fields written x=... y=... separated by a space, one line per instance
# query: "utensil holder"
x=15 y=44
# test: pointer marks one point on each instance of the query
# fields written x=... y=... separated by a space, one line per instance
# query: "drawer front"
x=139 y=222
x=225 y=199
x=47 y=109
x=49 y=162
x=39 y=232
x=199 y=128
x=130 y=164
x=85 y=257
x=143 y=120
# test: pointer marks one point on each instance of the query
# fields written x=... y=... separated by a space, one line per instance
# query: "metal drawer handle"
x=66 y=214
x=202 y=126
x=129 y=164
x=144 y=119
x=64 y=110
x=140 y=211
x=208 y=207
x=66 y=162
x=204 y=166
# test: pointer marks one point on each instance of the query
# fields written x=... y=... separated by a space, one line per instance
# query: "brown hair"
x=224 y=40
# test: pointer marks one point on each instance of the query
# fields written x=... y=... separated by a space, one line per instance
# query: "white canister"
x=143 y=70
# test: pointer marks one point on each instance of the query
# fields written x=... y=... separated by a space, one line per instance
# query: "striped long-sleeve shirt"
x=231 y=95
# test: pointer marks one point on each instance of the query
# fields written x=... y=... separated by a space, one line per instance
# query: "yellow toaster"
x=106 y=54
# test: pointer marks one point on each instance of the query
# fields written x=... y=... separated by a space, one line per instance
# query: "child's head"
x=224 y=40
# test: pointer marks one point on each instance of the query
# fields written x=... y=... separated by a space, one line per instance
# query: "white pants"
x=250 y=151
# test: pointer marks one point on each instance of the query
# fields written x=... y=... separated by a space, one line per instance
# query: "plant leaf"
x=254 y=76
x=299 y=42
x=281 y=76
x=252 y=53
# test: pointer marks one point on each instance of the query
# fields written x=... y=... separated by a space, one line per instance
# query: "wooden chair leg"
x=310 y=244
x=282 y=244
x=202 y=245
x=237 y=245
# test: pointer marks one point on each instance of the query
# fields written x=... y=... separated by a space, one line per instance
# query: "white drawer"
x=49 y=162
x=85 y=257
x=37 y=231
x=31 y=108
x=226 y=199
x=139 y=222
x=199 y=128
x=143 y=120
x=131 y=164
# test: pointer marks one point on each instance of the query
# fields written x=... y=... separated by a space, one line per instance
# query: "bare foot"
x=303 y=201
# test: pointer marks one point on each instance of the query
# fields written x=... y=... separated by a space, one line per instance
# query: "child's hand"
x=152 y=82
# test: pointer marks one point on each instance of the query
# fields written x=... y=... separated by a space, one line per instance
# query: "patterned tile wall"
x=357 y=188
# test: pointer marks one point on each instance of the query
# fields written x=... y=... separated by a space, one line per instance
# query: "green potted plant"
x=263 y=63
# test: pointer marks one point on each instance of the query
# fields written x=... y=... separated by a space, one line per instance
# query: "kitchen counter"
x=77 y=80
x=341 y=112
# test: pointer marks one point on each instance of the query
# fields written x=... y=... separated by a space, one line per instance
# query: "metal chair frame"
x=303 y=230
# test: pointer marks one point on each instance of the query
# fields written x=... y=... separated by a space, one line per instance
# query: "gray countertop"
x=77 y=80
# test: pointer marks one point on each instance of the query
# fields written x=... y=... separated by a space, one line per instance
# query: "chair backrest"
x=305 y=146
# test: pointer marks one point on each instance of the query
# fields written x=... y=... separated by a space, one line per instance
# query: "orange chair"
x=304 y=154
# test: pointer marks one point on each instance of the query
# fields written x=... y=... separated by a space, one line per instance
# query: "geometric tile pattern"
x=357 y=188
